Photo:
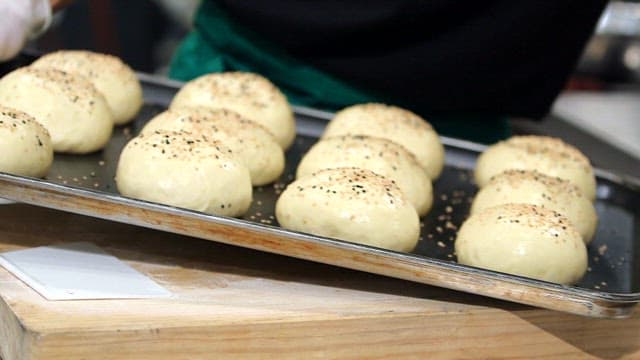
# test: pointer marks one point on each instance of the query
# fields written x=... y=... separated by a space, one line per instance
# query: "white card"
x=79 y=271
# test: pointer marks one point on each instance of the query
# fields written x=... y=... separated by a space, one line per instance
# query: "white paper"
x=609 y=116
x=79 y=271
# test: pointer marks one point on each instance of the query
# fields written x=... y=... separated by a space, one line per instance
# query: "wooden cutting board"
x=235 y=302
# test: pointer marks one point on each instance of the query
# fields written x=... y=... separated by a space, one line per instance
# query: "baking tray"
x=84 y=184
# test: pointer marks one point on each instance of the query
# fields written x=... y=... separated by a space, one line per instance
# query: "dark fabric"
x=476 y=58
x=218 y=44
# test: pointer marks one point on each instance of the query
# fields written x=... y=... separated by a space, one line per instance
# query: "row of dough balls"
x=359 y=184
x=223 y=133
x=67 y=101
x=533 y=215
x=78 y=96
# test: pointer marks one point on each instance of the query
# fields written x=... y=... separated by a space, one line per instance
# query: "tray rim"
x=30 y=190
x=72 y=191
x=597 y=303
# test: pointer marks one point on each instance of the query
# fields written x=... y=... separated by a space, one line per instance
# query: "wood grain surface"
x=234 y=302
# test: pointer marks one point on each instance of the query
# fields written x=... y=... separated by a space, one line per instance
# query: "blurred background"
x=599 y=107
x=143 y=33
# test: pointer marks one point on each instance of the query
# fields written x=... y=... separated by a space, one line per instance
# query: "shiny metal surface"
x=85 y=185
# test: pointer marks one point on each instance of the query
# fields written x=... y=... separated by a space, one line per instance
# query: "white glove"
x=21 y=20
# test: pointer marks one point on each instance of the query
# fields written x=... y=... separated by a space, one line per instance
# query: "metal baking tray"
x=84 y=184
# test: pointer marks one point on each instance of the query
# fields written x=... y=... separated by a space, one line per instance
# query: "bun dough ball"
x=532 y=187
x=248 y=94
x=523 y=239
x=25 y=145
x=114 y=79
x=379 y=155
x=68 y=106
x=183 y=170
x=351 y=204
x=254 y=145
x=393 y=123
x=550 y=156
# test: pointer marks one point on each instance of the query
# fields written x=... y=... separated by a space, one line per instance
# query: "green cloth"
x=217 y=44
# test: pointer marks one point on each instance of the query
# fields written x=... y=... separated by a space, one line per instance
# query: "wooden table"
x=244 y=303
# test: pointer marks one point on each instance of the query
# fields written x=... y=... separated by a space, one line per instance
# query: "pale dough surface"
x=396 y=124
x=253 y=144
x=525 y=240
x=548 y=155
x=68 y=106
x=379 y=155
x=113 y=78
x=182 y=170
x=25 y=145
x=350 y=204
x=532 y=187
x=251 y=95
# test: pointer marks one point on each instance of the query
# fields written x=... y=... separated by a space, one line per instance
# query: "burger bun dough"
x=379 y=155
x=525 y=240
x=116 y=81
x=532 y=187
x=396 y=124
x=254 y=145
x=351 y=204
x=250 y=95
x=68 y=106
x=183 y=170
x=25 y=145
x=550 y=156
